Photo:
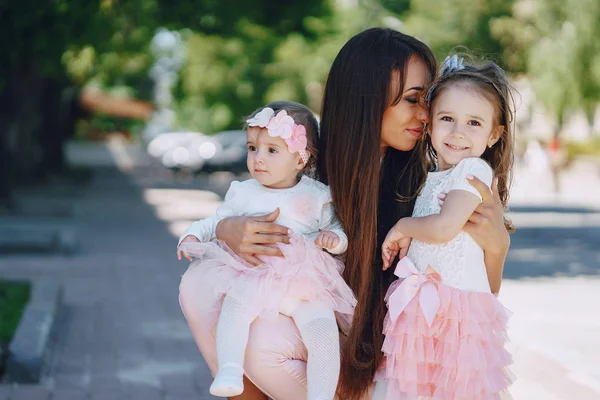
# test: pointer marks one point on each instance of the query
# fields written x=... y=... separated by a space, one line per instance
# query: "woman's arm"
x=486 y=227
x=249 y=236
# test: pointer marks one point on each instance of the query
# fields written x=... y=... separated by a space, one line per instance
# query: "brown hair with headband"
x=488 y=80
x=302 y=115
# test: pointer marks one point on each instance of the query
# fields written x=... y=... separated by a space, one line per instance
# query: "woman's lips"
x=416 y=132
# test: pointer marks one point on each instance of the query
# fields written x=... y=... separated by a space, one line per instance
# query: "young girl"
x=445 y=330
x=306 y=284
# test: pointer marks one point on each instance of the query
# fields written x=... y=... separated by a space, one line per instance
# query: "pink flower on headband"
x=281 y=125
x=297 y=142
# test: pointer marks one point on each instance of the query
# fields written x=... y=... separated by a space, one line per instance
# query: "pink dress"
x=306 y=272
x=445 y=331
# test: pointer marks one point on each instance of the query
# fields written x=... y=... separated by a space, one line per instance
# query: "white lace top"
x=459 y=261
x=306 y=209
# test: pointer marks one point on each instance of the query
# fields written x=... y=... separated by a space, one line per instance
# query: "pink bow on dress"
x=415 y=282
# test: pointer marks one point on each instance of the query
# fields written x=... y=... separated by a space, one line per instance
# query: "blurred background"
x=120 y=124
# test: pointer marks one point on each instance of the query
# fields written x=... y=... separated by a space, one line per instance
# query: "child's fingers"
x=329 y=242
x=319 y=241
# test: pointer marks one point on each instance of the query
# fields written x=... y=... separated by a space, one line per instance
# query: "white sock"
x=319 y=332
x=232 y=337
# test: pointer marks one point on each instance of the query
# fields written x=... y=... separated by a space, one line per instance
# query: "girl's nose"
x=457 y=133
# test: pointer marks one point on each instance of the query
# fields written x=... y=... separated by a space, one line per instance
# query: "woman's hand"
x=486 y=225
x=250 y=236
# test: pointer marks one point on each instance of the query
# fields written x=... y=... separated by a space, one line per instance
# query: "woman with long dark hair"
x=372 y=118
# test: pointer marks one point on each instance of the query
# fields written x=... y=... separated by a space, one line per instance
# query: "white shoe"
x=229 y=381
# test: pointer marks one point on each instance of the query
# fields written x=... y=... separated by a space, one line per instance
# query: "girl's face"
x=402 y=123
x=269 y=160
x=462 y=125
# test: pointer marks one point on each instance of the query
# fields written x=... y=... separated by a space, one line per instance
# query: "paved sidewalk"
x=122 y=334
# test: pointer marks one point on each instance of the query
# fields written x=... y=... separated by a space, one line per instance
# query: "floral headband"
x=283 y=126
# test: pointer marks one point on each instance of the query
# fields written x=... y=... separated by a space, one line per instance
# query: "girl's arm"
x=329 y=222
x=443 y=227
x=205 y=229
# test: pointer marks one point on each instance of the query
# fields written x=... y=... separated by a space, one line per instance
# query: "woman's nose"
x=422 y=114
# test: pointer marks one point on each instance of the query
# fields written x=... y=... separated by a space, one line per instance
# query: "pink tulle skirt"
x=461 y=356
x=305 y=272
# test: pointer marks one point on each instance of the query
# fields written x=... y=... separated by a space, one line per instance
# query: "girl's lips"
x=456 y=148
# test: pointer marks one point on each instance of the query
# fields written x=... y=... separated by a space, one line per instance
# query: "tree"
x=556 y=43
x=444 y=25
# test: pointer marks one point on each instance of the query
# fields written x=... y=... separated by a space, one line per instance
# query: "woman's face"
x=402 y=123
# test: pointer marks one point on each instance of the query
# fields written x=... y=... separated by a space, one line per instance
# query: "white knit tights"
x=232 y=337
x=319 y=332
x=320 y=335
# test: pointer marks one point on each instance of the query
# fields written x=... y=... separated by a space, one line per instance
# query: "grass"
x=13 y=299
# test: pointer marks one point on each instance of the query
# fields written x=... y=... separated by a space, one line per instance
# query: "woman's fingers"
x=261 y=250
x=251 y=258
x=267 y=227
x=269 y=217
x=482 y=188
x=265 y=238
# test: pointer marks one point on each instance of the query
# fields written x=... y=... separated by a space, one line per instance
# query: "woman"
x=371 y=120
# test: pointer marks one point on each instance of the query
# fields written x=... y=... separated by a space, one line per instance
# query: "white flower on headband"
x=451 y=64
x=262 y=118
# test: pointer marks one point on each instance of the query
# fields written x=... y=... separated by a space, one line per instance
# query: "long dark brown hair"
x=488 y=80
x=357 y=94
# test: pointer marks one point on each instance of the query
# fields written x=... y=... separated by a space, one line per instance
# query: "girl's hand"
x=187 y=239
x=327 y=240
x=395 y=244
x=250 y=236
x=486 y=224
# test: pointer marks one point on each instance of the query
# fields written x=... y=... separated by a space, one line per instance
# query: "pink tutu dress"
x=305 y=272
x=445 y=331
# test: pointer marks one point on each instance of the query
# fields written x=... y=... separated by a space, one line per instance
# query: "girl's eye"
x=446 y=118
x=474 y=123
x=272 y=150
x=412 y=100
x=251 y=148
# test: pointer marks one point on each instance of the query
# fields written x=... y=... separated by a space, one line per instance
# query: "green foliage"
x=556 y=43
x=444 y=24
x=13 y=299
x=241 y=55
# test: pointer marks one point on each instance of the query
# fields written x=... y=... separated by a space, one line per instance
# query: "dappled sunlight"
x=180 y=207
